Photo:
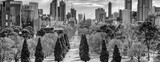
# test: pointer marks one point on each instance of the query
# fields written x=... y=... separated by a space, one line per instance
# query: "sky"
x=88 y=7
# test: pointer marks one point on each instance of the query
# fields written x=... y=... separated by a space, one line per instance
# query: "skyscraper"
x=128 y=4
x=73 y=13
x=40 y=11
x=62 y=10
x=144 y=7
x=80 y=17
x=26 y=14
x=10 y=13
x=100 y=14
x=54 y=9
x=110 y=10
x=34 y=15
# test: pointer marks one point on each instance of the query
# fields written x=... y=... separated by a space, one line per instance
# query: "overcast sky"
x=87 y=6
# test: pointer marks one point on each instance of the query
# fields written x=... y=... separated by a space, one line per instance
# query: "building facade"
x=110 y=10
x=100 y=15
x=62 y=10
x=26 y=14
x=126 y=20
x=10 y=13
x=80 y=17
x=54 y=9
x=144 y=7
x=128 y=4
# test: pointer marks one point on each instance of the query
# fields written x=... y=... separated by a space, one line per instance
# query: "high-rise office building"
x=126 y=17
x=73 y=13
x=40 y=11
x=34 y=15
x=68 y=16
x=26 y=14
x=80 y=17
x=120 y=13
x=110 y=10
x=128 y=4
x=62 y=10
x=144 y=7
x=115 y=15
x=54 y=9
x=10 y=13
x=100 y=14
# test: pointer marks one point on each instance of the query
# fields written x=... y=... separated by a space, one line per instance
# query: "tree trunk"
x=131 y=57
x=58 y=61
x=85 y=61
x=16 y=59
x=148 y=50
x=139 y=59
x=148 y=47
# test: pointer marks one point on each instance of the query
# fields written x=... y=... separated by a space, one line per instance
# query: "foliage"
x=6 y=48
x=95 y=41
x=84 y=49
x=39 y=53
x=111 y=30
x=67 y=40
x=149 y=32
x=104 y=53
x=112 y=43
x=6 y=32
x=25 y=52
x=17 y=46
x=83 y=31
x=58 y=51
x=137 y=50
x=116 y=55
x=41 y=33
x=64 y=47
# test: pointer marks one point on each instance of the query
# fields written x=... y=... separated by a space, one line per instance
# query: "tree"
x=95 y=41
x=67 y=40
x=116 y=55
x=64 y=47
x=25 y=52
x=84 y=49
x=41 y=33
x=158 y=48
x=6 y=47
x=39 y=53
x=58 y=51
x=137 y=50
x=149 y=32
x=17 y=46
x=104 y=53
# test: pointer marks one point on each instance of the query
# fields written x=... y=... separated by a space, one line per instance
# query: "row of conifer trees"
x=61 y=48
x=104 y=55
x=25 y=54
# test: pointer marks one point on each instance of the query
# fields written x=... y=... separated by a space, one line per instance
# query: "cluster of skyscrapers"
x=144 y=9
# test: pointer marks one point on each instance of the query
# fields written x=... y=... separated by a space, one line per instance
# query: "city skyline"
x=88 y=6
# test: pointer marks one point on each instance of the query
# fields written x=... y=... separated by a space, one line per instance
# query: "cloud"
x=88 y=4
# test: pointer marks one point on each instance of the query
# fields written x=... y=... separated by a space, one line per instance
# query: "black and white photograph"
x=79 y=30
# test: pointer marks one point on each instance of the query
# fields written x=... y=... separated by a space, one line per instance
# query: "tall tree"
x=25 y=52
x=116 y=55
x=84 y=49
x=137 y=50
x=58 y=51
x=39 y=52
x=67 y=40
x=149 y=32
x=104 y=53
x=64 y=47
